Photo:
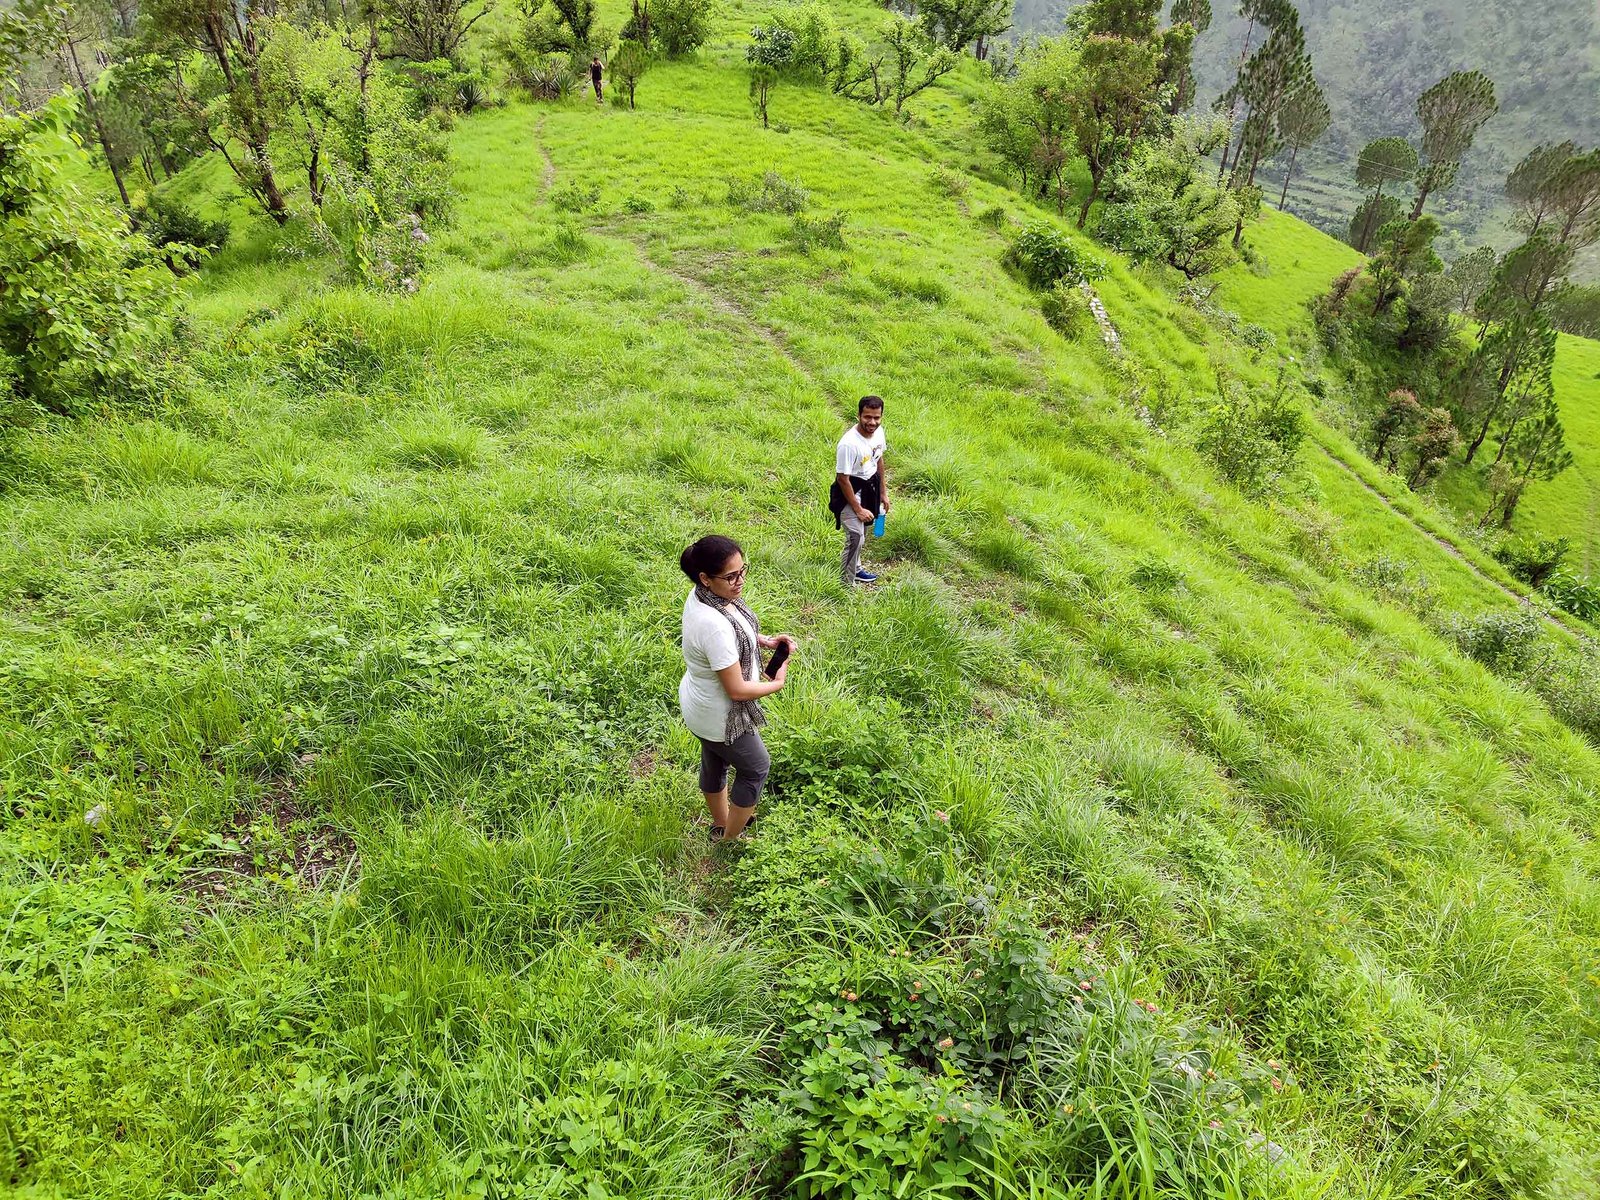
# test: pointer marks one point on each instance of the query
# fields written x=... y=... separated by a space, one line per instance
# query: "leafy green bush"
x=769 y=193
x=325 y=354
x=681 y=26
x=1257 y=337
x=1167 y=205
x=182 y=235
x=1570 y=685
x=1253 y=436
x=575 y=198
x=1532 y=558
x=442 y=84
x=877 y=1128
x=82 y=295
x=995 y=217
x=1045 y=256
x=377 y=202
x=1506 y=641
x=827 y=233
x=1574 y=594
x=1396 y=580
x=635 y=203
x=1066 y=310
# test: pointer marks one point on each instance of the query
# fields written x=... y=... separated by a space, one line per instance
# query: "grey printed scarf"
x=744 y=716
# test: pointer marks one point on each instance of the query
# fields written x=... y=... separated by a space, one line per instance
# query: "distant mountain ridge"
x=1373 y=60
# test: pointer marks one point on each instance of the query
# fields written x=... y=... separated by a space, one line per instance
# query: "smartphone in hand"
x=779 y=657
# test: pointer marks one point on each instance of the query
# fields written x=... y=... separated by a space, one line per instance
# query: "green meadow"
x=1296 y=262
x=1132 y=838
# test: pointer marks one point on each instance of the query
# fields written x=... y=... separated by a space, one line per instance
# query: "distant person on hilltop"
x=860 y=490
x=594 y=76
x=723 y=682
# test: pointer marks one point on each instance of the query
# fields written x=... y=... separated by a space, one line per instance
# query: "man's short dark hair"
x=869 y=402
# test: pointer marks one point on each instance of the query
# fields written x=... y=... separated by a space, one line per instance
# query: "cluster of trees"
x=1491 y=391
x=907 y=56
x=1450 y=114
x=1101 y=113
x=547 y=54
x=286 y=92
x=318 y=108
x=1374 y=57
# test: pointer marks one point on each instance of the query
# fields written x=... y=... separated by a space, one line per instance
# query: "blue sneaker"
x=866 y=577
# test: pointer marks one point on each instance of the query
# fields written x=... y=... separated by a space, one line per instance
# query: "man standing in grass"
x=594 y=76
x=860 y=488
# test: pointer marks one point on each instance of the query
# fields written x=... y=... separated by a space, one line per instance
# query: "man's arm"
x=850 y=496
x=883 y=480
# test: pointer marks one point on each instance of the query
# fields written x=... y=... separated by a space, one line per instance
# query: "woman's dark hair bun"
x=707 y=556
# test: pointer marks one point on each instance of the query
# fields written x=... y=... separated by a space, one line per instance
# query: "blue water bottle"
x=877 y=526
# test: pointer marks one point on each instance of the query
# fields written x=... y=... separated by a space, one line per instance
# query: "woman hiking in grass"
x=723 y=683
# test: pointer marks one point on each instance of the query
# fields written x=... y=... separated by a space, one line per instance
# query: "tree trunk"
x=1506 y=371
x=1294 y=153
x=1366 y=226
x=1424 y=186
x=1088 y=201
x=99 y=126
x=1233 y=105
x=1255 y=161
x=1505 y=440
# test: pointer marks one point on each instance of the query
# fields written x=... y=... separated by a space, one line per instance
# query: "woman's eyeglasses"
x=733 y=576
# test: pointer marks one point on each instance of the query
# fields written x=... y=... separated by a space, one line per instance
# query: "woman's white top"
x=709 y=645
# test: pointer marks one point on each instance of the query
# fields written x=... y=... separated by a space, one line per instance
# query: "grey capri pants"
x=750 y=762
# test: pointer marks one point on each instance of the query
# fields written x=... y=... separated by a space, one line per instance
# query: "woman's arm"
x=740 y=688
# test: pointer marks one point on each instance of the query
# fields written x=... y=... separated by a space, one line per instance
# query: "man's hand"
x=863 y=515
x=886 y=506
x=782 y=673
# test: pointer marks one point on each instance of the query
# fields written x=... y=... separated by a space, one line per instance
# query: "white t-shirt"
x=860 y=456
x=709 y=645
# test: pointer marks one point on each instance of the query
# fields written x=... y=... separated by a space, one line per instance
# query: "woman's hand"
x=740 y=688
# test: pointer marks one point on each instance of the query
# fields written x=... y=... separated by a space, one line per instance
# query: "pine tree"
x=1526 y=186
x=1267 y=13
x=1302 y=120
x=1451 y=113
x=1276 y=69
x=1385 y=161
x=1573 y=196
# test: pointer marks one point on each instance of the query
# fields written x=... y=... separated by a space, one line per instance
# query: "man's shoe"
x=866 y=577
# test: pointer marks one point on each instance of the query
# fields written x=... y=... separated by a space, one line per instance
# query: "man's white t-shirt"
x=709 y=645
x=860 y=456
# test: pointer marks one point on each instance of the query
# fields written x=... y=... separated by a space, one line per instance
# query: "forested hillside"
x=1374 y=59
x=1188 y=809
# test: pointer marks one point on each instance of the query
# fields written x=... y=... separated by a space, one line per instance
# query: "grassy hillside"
x=1296 y=262
x=1570 y=503
x=1131 y=835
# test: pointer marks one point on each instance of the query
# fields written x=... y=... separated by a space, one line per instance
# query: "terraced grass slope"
x=1129 y=835
x=1297 y=262
x=1570 y=503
